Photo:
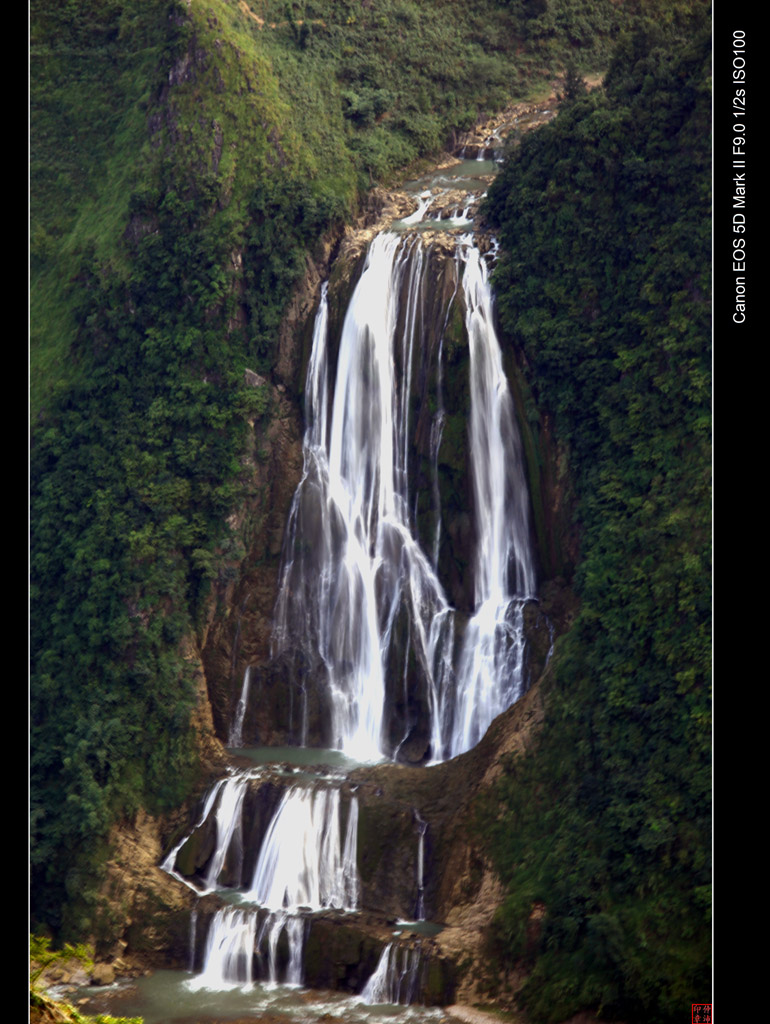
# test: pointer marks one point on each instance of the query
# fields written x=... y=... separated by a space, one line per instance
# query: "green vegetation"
x=137 y=441
x=604 y=219
x=183 y=162
x=41 y=956
x=42 y=1007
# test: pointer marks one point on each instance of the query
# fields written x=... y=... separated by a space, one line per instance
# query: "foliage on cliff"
x=604 y=284
x=43 y=1008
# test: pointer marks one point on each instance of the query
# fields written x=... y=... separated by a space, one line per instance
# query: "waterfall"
x=224 y=799
x=391 y=982
x=228 y=956
x=169 y=863
x=422 y=829
x=227 y=826
x=490 y=674
x=235 y=739
x=415 y=218
x=193 y=930
x=302 y=861
x=352 y=560
x=304 y=864
x=301 y=613
x=275 y=923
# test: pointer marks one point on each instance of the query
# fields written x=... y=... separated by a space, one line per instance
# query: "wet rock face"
x=340 y=955
x=387 y=852
x=240 y=620
x=538 y=632
x=287 y=703
x=344 y=956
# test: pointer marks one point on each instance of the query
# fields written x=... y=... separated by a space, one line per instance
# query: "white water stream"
x=353 y=559
x=490 y=674
x=395 y=979
x=304 y=865
x=340 y=597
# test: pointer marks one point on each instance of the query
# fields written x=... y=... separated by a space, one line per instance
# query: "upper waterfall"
x=354 y=568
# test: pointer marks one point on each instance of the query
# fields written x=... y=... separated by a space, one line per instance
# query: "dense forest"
x=604 y=284
x=184 y=159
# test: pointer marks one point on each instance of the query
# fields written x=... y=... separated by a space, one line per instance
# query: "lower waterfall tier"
x=277 y=871
x=265 y=840
x=319 y=904
x=359 y=954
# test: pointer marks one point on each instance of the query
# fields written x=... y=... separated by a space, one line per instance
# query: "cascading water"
x=343 y=584
x=394 y=981
x=235 y=737
x=364 y=605
x=302 y=861
x=229 y=950
x=352 y=558
x=304 y=865
x=490 y=674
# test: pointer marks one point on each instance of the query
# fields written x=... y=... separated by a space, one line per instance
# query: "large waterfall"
x=353 y=560
x=490 y=675
x=364 y=606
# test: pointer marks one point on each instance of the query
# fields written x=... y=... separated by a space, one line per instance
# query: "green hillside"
x=604 y=218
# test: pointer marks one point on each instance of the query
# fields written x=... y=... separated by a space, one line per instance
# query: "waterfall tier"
x=305 y=863
x=362 y=600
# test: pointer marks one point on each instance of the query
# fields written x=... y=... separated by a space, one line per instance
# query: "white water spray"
x=491 y=670
x=395 y=979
